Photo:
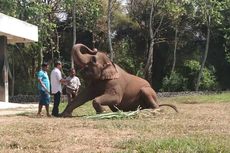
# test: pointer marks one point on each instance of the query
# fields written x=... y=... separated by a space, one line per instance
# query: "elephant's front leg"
x=105 y=100
x=83 y=97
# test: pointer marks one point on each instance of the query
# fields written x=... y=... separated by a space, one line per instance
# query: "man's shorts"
x=70 y=90
x=44 y=98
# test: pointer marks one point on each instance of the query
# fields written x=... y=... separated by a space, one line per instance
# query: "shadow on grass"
x=34 y=115
x=27 y=114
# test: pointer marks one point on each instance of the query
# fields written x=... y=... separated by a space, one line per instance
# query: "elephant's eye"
x=93 y=59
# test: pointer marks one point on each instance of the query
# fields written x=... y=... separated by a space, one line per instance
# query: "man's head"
x=72 y=72
x=58 y=64
x=45 y=66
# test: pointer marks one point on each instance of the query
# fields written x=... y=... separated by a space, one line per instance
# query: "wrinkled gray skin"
x=109 y=85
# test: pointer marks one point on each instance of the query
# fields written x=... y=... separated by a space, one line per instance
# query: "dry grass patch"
x=200 y=127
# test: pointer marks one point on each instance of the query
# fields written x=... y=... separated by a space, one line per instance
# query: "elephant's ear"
x=109 y=72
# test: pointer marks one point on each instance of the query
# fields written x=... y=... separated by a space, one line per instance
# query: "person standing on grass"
x=44 y=89
x=56 y=88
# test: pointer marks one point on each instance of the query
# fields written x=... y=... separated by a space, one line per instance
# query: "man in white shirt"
x=56 y=88
x=73 y=84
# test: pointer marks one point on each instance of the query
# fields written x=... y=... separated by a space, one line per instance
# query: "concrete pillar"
x=4 y=89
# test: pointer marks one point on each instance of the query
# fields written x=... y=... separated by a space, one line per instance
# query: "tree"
x=109 y=29
x=74 y=31
x=175 y=10
x=30 y=56
x=148 y=67
x=210 y=15
x=225 y=28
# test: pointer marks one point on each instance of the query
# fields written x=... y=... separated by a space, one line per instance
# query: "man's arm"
x=59 y=77
x=43 y=86
x=63 y=81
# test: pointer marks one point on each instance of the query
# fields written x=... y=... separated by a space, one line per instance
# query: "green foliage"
x=227 y=42
x=8 y=7
x=140 y=70
x=126 y=58
x=208 y=80
x=192 y=65
x=30 y=56
x=176 y=9
x=225 y=28
x=121 y=20
x=174 y=82
x=184 y=80
x=209 y=8
x=132 y=41
x=26 y=87
x=87 y=13
x=190 y=71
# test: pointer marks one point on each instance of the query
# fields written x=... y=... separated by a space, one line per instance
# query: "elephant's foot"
x=98 y=107
x=104 y=111
x=65 y=114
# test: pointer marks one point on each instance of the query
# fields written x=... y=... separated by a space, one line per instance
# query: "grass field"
x=202 y=125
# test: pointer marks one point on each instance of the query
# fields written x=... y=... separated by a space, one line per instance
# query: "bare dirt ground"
x=28 y=133
x=15 y=111
x=15 y=108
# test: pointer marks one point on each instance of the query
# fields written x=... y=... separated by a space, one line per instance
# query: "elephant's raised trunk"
x=80 y=58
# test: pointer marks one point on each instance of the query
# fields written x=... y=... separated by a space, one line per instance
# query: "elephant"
x=110 y=85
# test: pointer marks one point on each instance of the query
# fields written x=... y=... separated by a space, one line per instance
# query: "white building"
x=12 y=31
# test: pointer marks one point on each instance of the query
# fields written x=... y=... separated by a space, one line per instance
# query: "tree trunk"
x=109 y=30
x=148 y=67
x=153 y=35
x=205 y=54
x=175 y=49
x=57 y=40
x=74 y=32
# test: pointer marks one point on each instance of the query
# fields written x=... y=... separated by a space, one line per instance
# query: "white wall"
x=17 y=30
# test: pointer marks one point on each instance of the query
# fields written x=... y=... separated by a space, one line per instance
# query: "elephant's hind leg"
x=105 y=100
x=149 y=98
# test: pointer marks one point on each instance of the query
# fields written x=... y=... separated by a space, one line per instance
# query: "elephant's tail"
x=170 y=105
